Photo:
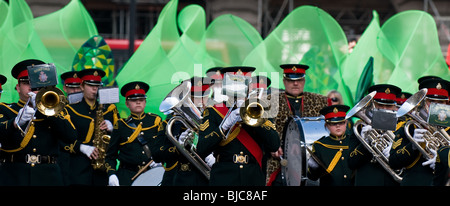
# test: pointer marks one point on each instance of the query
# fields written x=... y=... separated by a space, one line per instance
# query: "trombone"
x=49 y=101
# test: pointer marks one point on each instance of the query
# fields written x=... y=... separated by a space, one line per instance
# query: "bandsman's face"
x=294 y=87
x=429 y=101
x=136 y=106
x=89 y=91
x=23 y=88
x=385 y=106
x=70 y=90
x=337 y=129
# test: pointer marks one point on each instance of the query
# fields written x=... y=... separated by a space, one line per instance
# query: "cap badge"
x=137 y=87
x=387 y=91
x=199 y=83
x=95 y=73
x=335 y=110
x=294 y=68
x=439 y=86
x=75 y=75
x=403 y=96
x=239 y=72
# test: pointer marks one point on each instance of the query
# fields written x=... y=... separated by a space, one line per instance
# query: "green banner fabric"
x=64 y=31
x=18 y=41
x=410 y=41
x=308 y=35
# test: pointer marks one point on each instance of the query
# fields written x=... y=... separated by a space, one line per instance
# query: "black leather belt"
x=236 y=158
x=31 y=159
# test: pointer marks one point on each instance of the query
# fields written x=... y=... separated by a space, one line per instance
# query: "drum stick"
x=316 y=159
x=141 y=170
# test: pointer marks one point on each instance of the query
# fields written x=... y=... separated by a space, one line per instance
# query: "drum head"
x=152 y=177
x=299 y=133
x=293 y=164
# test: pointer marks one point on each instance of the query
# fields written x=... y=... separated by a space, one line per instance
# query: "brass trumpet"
x=252 y=111
x=377 y=141
x=434 y=138
x=49 y=101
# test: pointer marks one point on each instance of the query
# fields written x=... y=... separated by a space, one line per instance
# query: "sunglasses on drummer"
x=334 y=99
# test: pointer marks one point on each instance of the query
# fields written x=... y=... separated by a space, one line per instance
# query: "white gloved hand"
x=28 y=113
x=364 y=131
x=33 y=98
x=431 y=162
x=231 y=120
x=183 y=136
x=155 y=164
x=387 y=150
x=113 y=181
x=87 y=149
x=109 y=125
x=312 y=164
x=418 y=135
x=210 y=160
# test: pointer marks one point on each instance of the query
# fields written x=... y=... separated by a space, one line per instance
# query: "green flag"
x=150 y=63
x=365 y=81
x=308 y=35
x=64 y=31
x=410 y=41
x=18 y=41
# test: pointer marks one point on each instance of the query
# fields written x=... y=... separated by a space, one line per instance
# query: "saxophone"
x=101 y=141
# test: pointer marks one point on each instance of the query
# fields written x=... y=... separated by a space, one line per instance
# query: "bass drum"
x=298 y=134
x=152 y=177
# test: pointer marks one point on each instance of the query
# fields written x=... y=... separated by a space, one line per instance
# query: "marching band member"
x=71 y=85
x=293 y=101
x=418 y=170
x=239 y=155
x=187 y=174
x=368 y=172
x=30 y=159
x=332 y=151
x=83 y=116
x=132 y=138
x=442 y=168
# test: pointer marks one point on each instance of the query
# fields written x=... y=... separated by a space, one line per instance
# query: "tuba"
x=435 y=137
x=101 y=141
x=187 y=113
x=377 y=140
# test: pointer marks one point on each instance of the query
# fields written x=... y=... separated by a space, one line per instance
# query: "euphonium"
x=101 y=141
x=187 y=113
x=434 y=138
x=377 y=141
